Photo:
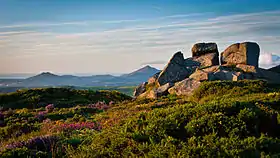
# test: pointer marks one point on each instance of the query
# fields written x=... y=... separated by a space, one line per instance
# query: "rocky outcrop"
x=242 y=53
x=185 y=87
x=217 y=73
x=191 y=63
x=246 y=68
x=269 y=76
x=201 y=75
x=174 y=71
x=207 y=59
x=206 y=54
x=200 y=49
x=140 y=89
x=156 y=92
x=275 y=69
x=153 y=79
x=163 y=90
x=182 y=76
x=227 y=75
x=151 y=94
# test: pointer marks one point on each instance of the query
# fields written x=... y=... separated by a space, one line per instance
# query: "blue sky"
x=119 y=36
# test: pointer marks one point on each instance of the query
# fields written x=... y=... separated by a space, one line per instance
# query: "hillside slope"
x=61 y=97
x=220 y=119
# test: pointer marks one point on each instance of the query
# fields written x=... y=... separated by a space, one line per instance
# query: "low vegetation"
x=221 y=119
x=61 y=97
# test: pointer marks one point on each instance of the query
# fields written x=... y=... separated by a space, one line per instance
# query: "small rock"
x=246 y=68
x=238 y=76
x=163 y=90
x=151 y=94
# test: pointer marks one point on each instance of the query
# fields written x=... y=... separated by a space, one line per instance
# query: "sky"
x=120 y=36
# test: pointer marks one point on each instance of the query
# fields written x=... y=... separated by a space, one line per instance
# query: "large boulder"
x=191 y=63
x=174 y=71
x=210 y=59
x=200 y=49
x=241 y=53
x=140 y=89
x=223 y=73
x=185 y=87
x=201 y=75
x=206 y=54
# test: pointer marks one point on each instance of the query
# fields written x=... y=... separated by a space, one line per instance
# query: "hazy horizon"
x=117 y=37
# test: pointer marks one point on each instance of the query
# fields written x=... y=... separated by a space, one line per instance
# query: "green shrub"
x=60 y=97
x=224 y=119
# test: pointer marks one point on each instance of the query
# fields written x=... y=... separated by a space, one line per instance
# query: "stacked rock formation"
x=242 y=53
x=182 y=76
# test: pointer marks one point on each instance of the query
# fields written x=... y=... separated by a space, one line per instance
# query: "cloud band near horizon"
x=121 y=46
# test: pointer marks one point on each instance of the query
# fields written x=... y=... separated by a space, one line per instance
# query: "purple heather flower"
x=35 y=143
x=111 y=103
x=76 y=126
x=41 y=115
x=99 y=105
x=15 y=145
x=49 y=108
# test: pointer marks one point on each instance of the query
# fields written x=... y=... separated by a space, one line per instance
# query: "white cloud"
x=41 y=25
x=92 y=22
x=136 y=43
x=268 y=60
x=9 y=33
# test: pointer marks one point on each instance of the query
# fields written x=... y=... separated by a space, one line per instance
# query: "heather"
x=220 y=119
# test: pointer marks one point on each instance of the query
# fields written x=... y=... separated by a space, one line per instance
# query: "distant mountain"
x=146 y=71
x=47 y=79
x=44 y=79
x=43 y=76
x=139 y=76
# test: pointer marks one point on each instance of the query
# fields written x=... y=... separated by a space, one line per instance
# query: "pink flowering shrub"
x=40 y=142
x=111 y=103
x=41 y=115
x=49 y=108
x=68 y=127
x=99 y=105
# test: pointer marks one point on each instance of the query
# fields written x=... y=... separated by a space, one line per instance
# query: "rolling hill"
x=47 y=79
